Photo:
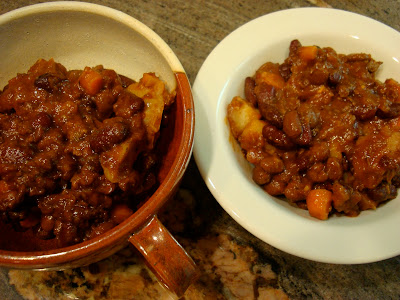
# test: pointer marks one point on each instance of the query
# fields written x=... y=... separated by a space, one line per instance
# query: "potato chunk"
x=155 y=96
x=240 y=114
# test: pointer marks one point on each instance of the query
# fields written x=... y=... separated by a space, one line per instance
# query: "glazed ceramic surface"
x=78 y=34
x=370 y=237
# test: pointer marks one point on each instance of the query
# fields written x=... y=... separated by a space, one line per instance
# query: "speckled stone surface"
x=193 y=29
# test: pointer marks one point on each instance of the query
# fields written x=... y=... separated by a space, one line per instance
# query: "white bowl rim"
x=214 y=154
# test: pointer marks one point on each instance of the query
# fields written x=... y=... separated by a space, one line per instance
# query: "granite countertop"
x=234 y=264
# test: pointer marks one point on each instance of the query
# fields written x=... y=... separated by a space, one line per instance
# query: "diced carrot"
x=308 y=53
x=319 y=203
x=120 y=212
x=91 y=81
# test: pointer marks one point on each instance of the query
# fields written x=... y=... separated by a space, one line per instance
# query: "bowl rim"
x=121 y=232
x=100 y=10
x=215 y=157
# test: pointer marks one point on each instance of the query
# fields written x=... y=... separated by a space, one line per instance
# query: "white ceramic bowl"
x=372 y=236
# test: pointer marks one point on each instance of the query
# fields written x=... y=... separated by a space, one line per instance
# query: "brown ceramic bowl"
x=79 y=34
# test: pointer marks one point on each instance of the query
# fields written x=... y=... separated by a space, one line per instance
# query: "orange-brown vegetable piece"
x=319 y=203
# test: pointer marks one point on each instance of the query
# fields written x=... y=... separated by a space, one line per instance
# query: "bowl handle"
x=165 y=257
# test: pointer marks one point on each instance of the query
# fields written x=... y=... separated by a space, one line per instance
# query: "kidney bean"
x=297 y=189
x=364 y=112
x=260 y=176
x=127 y=105
x=294 y=47
x=340 y=195
x=249 y=85
x=319 y=76
x=277 y=137
x=334 y=168
x=291 y=124
x=305 y=137
x=42 y=120
x=275 y=187
x=111 y=134
x=271 y=114
x=48 y=82
x=355 y=57
x=383 y=192
x=392 y=111
x=272 y=164
x=317 y=152
x=335 y=77
x=285 y=70
x=317 y=172
x=47 y=223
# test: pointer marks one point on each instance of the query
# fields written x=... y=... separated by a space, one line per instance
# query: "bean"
x=249 y=85
x=277 y=137
x=43 y=120
x=291 y=124
x=305 y=137
x=120 y=212
x=100 y=229
x=275 y=187
x=266 y=96
x=272 y=164
x=127 y=105
x=382 y=192
x=319 y=76
x=341 y=195
x=260 y=176
x=319 y=152
x=391 y=112
x=113 y=133
x=297 y=189
x=334 y=168
x=294 y=47
x=271 y=114
x=364 y=112
x=317 y=172
x=357 y=57
x=285 y=70
x=31 y=220
x=48 y=82
x=47 y=223
x=336 y=77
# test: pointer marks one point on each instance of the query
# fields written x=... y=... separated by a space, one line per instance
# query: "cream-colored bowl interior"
x=79 y=34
